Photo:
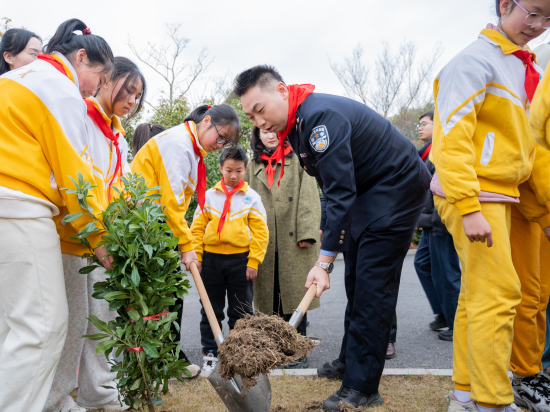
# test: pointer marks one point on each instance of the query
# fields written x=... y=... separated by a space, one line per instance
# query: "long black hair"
x=14 y=41
x=67 y=43
x=143 y=134
x=258 y=146
x=221 y=115
x=126 y=67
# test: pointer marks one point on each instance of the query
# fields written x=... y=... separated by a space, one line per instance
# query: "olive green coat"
x=293 y=215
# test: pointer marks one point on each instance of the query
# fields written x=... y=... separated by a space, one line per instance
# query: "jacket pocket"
x=488 y=147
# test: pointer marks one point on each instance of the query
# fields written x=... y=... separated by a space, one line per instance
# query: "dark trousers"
x=223 y=274
x=393 y=331
x=181 y=353
x=278 y=303
x=372 y=276
x=438 y=268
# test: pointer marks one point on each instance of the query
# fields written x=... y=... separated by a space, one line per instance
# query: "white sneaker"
x=456 y=406
x=77 y=408
x=209 y=362
x=530 y=393
x=195 y=371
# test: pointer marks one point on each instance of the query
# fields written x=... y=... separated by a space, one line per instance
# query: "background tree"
x=4 y=25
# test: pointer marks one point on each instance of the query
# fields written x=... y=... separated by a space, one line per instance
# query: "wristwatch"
x=324 y=265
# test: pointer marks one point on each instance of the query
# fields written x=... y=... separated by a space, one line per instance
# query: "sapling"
x=144 y=283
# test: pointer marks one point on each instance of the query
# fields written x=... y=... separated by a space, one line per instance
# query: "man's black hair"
x=429 y=114
x=256 y=76
x=234 y=153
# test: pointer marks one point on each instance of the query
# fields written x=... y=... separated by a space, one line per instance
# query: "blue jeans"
x=546 y=353
x=438 y=268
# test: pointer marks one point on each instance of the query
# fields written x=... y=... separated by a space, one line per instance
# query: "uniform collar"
x=115 y=120
x=496 y=38
x=69 y=69
x=193 y=127
x=220 y=188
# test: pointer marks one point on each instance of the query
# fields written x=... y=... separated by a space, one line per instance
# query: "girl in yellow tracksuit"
x=483 y=151
x=44 y=141
x=120 y=96
x=174 y=160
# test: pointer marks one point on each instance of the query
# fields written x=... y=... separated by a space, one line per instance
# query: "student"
x=481 y=157
x=230 y=238
x=18 y=48
x=174 y=160
x=293 y=214
x=44 y=141
x=121 y=96
x=375 y=185
x=143 y=133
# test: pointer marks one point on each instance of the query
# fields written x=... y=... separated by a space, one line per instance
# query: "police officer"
x=375 y=185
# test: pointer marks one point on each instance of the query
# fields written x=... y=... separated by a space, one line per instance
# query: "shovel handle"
x=308 y=298
x=205 y=301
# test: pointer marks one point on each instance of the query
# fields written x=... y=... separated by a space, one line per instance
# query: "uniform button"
x=341 y=237
x=343 y=232
x=341 y=241
x=290 y=199
x=291 y=233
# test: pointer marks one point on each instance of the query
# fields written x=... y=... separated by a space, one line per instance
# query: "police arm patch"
x=319 y=139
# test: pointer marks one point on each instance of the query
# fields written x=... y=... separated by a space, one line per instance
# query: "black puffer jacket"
x=429 y=219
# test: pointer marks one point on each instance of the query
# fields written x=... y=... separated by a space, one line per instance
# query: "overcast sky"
x=297 y=36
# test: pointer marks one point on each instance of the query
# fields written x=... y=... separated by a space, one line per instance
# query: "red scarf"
x=201 y=175
x=271 y=168
x=426 y=152
x=226 y=206
x=100 y=122
x=297 y=93
x=532 y=76
x=54 y=62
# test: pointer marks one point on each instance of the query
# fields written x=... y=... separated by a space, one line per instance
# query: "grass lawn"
x=298 y=393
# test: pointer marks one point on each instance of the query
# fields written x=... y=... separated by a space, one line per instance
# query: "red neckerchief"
x=297 y=93
x=201 y=174
x=532 y=76
x=55 y=63
x=100 y=122
x=426 y=152
x=226 y=205
x=271 y=168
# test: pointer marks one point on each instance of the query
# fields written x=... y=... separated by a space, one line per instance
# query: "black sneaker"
x=438 y=323
x=353 y=397
x=300 y=363
x=332 y=370
x=446 y=335
x=529 y=394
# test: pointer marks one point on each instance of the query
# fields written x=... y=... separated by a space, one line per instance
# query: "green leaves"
x=102 y=347
x=149 y=349
x=135 y=276
x=87 y=269
x=70 y=218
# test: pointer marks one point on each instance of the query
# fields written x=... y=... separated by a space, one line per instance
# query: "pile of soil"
x=258 y=344
x=318 y=407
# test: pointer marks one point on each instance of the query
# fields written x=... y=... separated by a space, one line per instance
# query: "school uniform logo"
x=247 y=199
x=319 y=139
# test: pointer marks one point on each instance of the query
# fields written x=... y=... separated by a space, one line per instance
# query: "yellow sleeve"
x=198 y=228
x=259 y=233
x=539 y=113
x=149 y=163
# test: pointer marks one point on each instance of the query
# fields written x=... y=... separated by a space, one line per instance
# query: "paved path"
x=417 y=346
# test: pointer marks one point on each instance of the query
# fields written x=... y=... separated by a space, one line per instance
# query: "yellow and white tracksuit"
x=44 y=141
x=482 y=142
x=244 y=229
x=94 y=371
x=168 y=160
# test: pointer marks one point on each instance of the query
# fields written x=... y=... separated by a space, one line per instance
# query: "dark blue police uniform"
x=375 y=185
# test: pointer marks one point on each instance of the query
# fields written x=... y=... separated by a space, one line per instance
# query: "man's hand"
x=251 y=273
x=101 y=254
x=547 y=232
x=188 y=257
x=320 y=277
x=304 y=244
x=199 y=266
x=477 y=228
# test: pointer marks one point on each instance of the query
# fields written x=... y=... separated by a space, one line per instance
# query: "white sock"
x=462 y=396
x=485 y=409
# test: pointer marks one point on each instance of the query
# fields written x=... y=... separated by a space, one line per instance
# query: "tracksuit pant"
x=33 y=312
x=438 y=269
x=530 y=321
x=484 y=320
x=80 y=366
x=372 y=276
x=225 y=275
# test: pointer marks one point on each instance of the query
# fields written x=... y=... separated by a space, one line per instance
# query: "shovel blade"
x=257 y=399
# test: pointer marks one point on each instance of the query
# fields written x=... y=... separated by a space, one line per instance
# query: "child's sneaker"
x=529 y=393
x=456 y=406
x=209 y=362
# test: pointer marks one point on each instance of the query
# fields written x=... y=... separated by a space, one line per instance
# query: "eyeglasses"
x=422 y=125
x=222 y=140
x=534 y=18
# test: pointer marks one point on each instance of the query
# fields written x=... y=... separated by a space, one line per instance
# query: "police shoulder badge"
x=319 y=139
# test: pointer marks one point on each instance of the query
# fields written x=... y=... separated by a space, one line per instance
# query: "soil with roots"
x=259 y=344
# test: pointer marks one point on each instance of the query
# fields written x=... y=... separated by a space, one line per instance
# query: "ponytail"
x=221 y=115
x=67 y=42
x=143 y=134
x=14 y=41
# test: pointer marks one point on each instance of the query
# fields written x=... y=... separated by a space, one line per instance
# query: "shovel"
x=232 y=392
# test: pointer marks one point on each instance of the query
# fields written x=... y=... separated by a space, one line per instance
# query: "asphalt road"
x=417 y=346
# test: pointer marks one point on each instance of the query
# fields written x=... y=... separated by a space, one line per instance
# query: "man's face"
x=267 y=107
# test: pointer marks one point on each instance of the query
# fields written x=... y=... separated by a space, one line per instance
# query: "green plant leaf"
x=70 y=218
x=149 y=250
x=102 y=347
x=149 y=349
x=136 y=384
x=134 y=315
x=97 y=336
x=135 y=276
x=87 y=269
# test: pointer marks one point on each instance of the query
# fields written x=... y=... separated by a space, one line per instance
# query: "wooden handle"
x=206 y=301
x=306 y=301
